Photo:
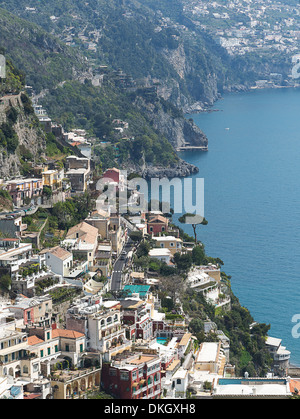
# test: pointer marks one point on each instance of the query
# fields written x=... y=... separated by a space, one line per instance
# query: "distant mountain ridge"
x=140 y=38
x=63 y=74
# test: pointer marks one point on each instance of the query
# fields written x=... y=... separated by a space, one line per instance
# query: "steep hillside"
x=42 y=57
x=64 y=77
x=21 y=138
x=186 y=65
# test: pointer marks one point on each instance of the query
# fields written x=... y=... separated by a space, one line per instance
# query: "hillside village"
x=261 y=29
x=96 y=301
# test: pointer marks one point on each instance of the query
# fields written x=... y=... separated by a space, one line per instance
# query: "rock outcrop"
x=30 y=137
x=181 y=169
x=178 y=130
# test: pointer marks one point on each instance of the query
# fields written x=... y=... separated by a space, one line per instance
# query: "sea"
x=251 y=175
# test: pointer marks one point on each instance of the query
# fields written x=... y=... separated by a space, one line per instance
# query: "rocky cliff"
x=148 y=171
x=21 y=137
x=171 y=123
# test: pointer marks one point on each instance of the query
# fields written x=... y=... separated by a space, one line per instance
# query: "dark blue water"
x=252 y=202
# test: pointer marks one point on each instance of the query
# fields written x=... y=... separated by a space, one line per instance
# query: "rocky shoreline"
x=180 y=170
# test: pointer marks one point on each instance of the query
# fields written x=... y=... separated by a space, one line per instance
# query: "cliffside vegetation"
x=170 y=49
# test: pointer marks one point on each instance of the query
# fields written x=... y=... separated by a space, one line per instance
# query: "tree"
x=143 y=249
x=5 y=282
x=196 y=325
x=172 y=286
x=198 y=255
x=183 y=262
x=194 y=220
x=136 y=236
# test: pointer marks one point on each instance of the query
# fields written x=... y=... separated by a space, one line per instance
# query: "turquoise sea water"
x=252 y=202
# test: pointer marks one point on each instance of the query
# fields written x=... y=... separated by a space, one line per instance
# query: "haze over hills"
x=176 y=44
x=63 y=77
x=170 y=50
x=115 y=80
x=144 y=62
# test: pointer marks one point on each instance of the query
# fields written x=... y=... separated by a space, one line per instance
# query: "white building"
x=102 y=325
x=180 y=382
x=280 y=355
x=252 y=388
x=59 y=260
x=163 y=255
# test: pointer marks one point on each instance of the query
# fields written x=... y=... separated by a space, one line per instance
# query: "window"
x=124 y=376
x=49 y=351
x=112 y=373
x=81 y=347
x=67 y=348
x=41 y=353
x=48 y=335
x=56 y=348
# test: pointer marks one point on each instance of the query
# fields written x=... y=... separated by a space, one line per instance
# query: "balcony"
x=157 y=392
x=112 y=351
x=282 y=355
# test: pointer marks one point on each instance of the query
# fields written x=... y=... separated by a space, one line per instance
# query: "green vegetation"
x=5 y=195
x=94 y=109
x=45 y=60
x=14 y=81
x=53 y=148
x=5 y=282
x=61 y=295
x=8 y=137
x=65 y=215
x=247 y=346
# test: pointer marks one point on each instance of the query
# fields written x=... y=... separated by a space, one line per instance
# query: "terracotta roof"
x=34 y=340
x=60 y=253
x=141 y=359
x=65 y=333
x=158 y=219
x=294 y=386
x=114 y=169
x=83 y=228
x=32 y=396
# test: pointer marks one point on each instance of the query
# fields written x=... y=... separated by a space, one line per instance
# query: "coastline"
x=194 y=109
x=293 y=365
